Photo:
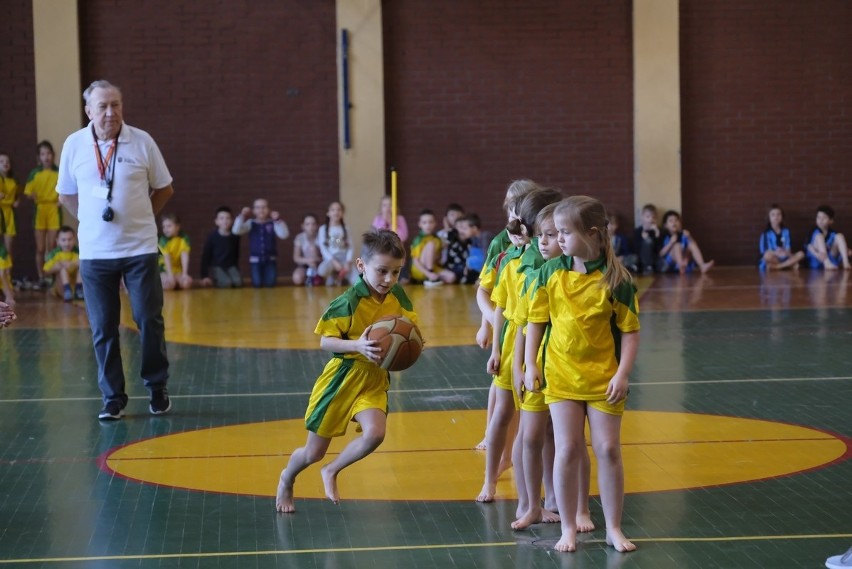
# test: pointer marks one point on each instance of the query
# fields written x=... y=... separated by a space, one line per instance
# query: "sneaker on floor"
x=160 y=402
x=67 y=296
x=112 y=411
x=78 y=293
x=432 y=284
x=840 y=561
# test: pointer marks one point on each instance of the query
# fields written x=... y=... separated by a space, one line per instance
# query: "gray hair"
x=99 y=84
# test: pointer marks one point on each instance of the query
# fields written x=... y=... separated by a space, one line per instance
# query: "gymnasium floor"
x=736 y=440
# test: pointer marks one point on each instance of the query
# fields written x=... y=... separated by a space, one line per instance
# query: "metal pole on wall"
x=344 y=71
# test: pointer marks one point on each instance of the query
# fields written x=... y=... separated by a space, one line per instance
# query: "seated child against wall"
x=620 y=244
x=827 y=249
x=220 y=257
x=174 y=247
x=307 y=255
x=63 y=264
x=426 y=251
x=466 y=251
x=263 y=229
x=647 y=240
x=680 y=252
x=775 y=244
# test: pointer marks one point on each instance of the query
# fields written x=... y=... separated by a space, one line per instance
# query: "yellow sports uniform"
x=505 y=295
x=583 y=344
x=171 y=249
x=498 y=245
x=351 y=383
x=531 y=260
x=41 y=185
x=417 y=245
x=5 y=258
x=9 y=189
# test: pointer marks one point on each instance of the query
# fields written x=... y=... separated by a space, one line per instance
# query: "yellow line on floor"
x=404 y=548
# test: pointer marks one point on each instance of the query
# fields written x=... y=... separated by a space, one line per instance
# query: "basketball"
x=400 y=341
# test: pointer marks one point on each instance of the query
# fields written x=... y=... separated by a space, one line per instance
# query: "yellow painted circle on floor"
x=429 y=456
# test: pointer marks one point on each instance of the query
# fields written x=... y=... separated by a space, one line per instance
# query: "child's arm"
x=518 y=361
x=617 y=388
x=493 y=366
x=184 y=263
x=281 y=229
x=532 y=378
x=298 y=258
x=362 y=346
x=242 y=223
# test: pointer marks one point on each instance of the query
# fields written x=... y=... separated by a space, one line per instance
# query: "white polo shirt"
x=139 y=167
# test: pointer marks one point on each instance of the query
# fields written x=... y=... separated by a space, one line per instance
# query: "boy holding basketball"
x=352 y=387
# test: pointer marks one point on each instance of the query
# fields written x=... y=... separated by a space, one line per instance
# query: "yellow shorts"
x=534 y=402
x=598 y=404
x=7 y=221
x=47 y=216
x=503 y=380
x=345 y=388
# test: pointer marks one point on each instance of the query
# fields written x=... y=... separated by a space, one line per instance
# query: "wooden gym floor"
x=736 y=440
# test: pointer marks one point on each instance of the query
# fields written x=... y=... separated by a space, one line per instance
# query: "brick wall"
x=482 y=92
x=767 y=117
x=17 y=116
x=241 y=97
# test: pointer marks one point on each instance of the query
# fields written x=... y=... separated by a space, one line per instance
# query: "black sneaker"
x=160 y=402
x=112 y=411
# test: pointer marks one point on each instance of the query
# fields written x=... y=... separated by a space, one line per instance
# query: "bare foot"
x=532 y=516
x=707 y=266
x=482 y=445
x=487 y=493
x=615 y=538
x=548 y=517
x=284 y=496
x=330 y=482
x=829 y=265
x=585 y=523
x=567 y=543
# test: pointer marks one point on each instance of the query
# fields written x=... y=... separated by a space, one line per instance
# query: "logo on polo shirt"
x=128 y=160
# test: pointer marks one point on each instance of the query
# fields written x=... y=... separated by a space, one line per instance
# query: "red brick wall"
x=18 y=116
x=482 y=92
x=767 y=117
x=241 y=97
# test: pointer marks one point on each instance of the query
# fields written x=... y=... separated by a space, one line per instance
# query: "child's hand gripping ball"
x=400 y=341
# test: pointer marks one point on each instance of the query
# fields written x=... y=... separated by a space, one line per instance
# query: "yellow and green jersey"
x=352 y=312
x=507 y=284
x=41 y=185
x=172 y=248
x=60 y=256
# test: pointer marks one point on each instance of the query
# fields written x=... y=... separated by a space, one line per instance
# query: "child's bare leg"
x=792 y=261
x=677 y=254
x=39 y=256
x=606 y=440
x=534 y=431
x=698 y=257
x=520 y=471
x=6 y=286
x=373 y=425
x=299 y=276
x=511 y=435
x=428 y=256
x=547 y=454
x=313 y=451
x=492 y=396
x=50 y=242
x=8 y=239
x=584 y=516
x=568 y=418
x=842 y=249
x=498 y=427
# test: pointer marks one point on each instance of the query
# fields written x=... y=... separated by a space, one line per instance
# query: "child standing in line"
x=262 y=230
x=175 y=249
x=41 y=188
x=590 y=301
x=536 y=429
x=505 y=295
x=647 y=240
x=775 y=244
x=426 y=251
x=679 y=251
x=337 y=266
x=64 y=263
x=352 y=387
x=220 y=257
x=827 y=249
x=8 y=202
x=383 y=219
x=500 y=243
x=306 y=253
x=5 y=276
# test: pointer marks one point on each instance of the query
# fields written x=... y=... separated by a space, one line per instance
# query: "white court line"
x=432 y=390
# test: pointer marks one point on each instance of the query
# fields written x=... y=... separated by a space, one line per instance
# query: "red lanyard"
x=104 y=166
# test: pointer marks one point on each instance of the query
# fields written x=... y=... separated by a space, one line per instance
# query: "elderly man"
x=113 y=178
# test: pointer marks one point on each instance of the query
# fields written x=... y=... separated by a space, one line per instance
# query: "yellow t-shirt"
x=60 y=256
x=172 y=248
x=9 y=189
x=352 y=312
x=507 y=286
x=587 y=320
x=41 y=184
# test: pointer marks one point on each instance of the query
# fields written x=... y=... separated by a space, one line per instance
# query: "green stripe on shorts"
x=315 y=420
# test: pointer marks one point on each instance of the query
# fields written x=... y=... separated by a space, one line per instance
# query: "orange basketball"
x=400 y=341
